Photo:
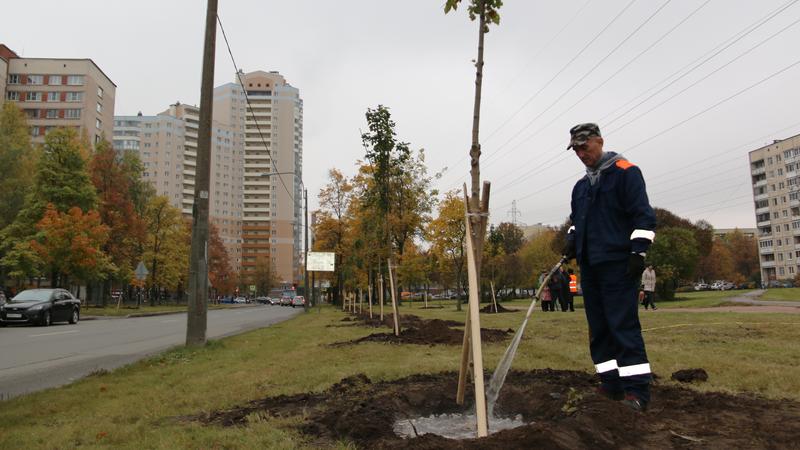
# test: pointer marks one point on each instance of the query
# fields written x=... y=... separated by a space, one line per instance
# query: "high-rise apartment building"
x=256 y=197
x=272 y=223
x=775 y=172
x=59 y=92
x=167 y=146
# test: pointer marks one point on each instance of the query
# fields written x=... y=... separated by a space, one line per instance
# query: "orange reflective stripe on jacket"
x=573 y=283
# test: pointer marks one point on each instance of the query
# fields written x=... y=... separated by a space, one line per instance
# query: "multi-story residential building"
x=59 y=92
x=260 y=216
x=272 y=223
x=167 y=146
x=775 y=172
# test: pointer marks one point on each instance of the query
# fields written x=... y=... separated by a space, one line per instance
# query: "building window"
x=11 y=95
x=35 y=79
x=99 y=108
x=52 y=114
x=99 y=92
x=32 y=113
x=77 y=80
x=72 y=113
x=74 y=96
x=52 y=96
x=33 y=96
x=36 y=131
x=13 y=79
x=54 y=80
x=98 y=124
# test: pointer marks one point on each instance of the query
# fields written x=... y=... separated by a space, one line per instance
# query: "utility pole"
x=305 y=247
x=197 y=319
x=514 y=212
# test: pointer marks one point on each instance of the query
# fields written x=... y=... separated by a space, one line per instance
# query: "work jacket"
x=613 y=218
x=649 y=280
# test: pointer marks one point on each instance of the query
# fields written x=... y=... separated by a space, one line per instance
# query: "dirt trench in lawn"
x=559 y=409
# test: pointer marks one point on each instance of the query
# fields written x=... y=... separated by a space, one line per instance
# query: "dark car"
x=41 y=306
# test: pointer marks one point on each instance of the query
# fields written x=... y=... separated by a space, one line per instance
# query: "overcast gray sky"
x=682 y=87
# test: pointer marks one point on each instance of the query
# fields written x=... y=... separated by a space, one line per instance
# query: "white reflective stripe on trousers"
x=607 y=366
x=637 y=369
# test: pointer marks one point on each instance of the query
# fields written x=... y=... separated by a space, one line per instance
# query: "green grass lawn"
x=136 y=406
x=123 y=311
x=783 y=294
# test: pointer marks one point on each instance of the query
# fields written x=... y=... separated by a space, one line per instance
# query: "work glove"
x=569 y=249
x=635 y=265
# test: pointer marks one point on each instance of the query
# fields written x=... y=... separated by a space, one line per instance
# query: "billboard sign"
x=321 y=261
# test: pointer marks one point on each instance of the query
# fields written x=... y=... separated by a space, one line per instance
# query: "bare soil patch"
x=560 y=408
x=500 y=309
x=415 y=330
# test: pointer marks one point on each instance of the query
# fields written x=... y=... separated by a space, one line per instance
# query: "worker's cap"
x=581 y=133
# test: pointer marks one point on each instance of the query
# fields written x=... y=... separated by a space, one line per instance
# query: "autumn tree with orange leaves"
x=70 y=245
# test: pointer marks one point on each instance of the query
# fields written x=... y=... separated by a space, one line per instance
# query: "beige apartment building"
x=59 y=92
x=260 y=216
x=167 y=145
x=775 y=172
x=272 y=219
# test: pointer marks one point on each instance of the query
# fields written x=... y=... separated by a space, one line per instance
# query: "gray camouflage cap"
x=581 y=133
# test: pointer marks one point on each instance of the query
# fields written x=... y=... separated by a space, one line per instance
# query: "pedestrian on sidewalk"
x=649 y=287
x=612 y=228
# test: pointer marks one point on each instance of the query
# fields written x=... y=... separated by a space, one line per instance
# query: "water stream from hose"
x=500 y=373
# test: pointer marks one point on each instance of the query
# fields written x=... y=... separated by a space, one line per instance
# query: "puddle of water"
x=452 y=426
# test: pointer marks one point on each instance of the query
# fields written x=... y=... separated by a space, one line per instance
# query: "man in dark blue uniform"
x=612 y=228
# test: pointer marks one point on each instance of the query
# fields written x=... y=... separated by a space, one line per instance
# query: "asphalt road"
x=34 y=358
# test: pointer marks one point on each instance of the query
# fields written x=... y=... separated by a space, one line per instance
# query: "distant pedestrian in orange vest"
x=573 y=290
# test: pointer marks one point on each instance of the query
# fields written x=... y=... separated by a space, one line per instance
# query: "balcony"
x=766 y=264
x=758 y=171
x=760 y=183
x=763 y=196
x=765 y=223
x=762 y=210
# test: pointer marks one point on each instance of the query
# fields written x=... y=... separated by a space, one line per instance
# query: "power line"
x=703 y=59
x=252 y=113
x=536 y=94
x=706 y=76
x=578 y=81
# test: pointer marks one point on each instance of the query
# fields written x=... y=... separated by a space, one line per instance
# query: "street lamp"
x=305 y=239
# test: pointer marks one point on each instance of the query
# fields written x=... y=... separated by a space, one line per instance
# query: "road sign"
x=253 y=288
x=321 y=261
x=141 y=271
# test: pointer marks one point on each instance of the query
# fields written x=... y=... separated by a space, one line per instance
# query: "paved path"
x=35 y=358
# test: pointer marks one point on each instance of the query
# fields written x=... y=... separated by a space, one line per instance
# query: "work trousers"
x=558 y=299
x=649 y=299
x=570 y=301
x=615 y=343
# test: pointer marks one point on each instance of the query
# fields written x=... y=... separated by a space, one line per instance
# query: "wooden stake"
x=360 y=301
x=369 y=298
x=475 y=335
x=465 y=351
x=394 y=301
x=380 y=294
x=494 y=300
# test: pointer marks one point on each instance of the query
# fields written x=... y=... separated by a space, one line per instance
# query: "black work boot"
x=610 y=394
x=635 y=403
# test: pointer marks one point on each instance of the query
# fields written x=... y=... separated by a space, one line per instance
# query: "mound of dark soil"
x=500 y=309
x=560 y=407
x=406 y=320
x=690 y=375
x=429 y=332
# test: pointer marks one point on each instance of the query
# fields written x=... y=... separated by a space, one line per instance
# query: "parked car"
x=3 y=299
x=701 y=287
x=240 y=300
x=263 y=300
x=298 y=300
x=41 y=306
x=286 y=301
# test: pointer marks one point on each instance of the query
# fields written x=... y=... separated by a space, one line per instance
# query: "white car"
x=240 y=300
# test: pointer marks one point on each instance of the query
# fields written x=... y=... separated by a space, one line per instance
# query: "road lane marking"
x=53 y=334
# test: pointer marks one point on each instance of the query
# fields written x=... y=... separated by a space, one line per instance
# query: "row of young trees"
x=78 y=214
x=388 y=210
